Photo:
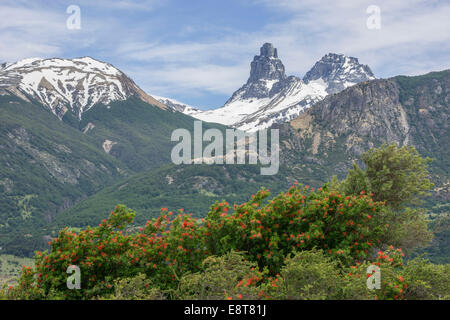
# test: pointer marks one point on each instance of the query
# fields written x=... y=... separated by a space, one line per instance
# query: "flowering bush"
x=26 y=288
x=278 y=241
x=390 y=262
x=163 y=250
x=344 y=227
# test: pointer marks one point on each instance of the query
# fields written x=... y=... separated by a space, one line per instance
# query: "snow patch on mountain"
x=177 y=105
x=73 y=85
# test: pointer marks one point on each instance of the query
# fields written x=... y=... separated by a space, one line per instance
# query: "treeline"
x=300 y=244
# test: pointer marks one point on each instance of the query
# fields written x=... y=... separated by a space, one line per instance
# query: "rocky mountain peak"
x=266 y=66
x=339 y=72
x=268 y=50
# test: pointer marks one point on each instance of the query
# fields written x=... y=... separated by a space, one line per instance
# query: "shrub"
x=426 y=281
x=345 y=227
x=225 y=277
x=310 y=275
x=135 y=288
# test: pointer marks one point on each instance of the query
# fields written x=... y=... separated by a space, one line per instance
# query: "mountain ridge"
x=401 y=110
x=269 y=96
x=69 y=85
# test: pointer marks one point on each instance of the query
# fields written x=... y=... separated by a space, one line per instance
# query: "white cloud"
x=176 y=79
x=26 y=31
x=409 y=33
x=408 y=29
x=32 y=30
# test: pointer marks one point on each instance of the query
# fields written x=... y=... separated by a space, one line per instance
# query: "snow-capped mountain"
x=177 y=105
x=338 y=72
x=73 y=85
x=269 y=96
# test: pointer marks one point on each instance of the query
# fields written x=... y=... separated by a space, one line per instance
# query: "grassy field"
x=10 y=267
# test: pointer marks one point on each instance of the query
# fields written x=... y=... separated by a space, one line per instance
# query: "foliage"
x=135 y=288
x=439 y=250
x=224 y=277
x=426 y=281
x=185 y=258
x=312 y=275
x=408 y=229
x=302 y=219
x=398 y=176
x=167 y=248
x=356 y=181
x=390 y=263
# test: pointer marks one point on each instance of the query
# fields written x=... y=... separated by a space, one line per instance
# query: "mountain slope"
x=269 y=96
x=56 y=152
x=46 y=166
x=134 y=132
x=403 y=110
x=191 y=187
x=323 y=141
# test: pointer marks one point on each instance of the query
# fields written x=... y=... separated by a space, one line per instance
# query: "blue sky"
x=199 y=51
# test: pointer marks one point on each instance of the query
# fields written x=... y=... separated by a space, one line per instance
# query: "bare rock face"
x=107 y=145
x=362 y=114
x=267 y=65
x=401 y=110
x=267 y=50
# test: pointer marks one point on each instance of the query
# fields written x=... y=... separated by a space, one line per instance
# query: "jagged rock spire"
x=267 y=50
x=266 y=66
